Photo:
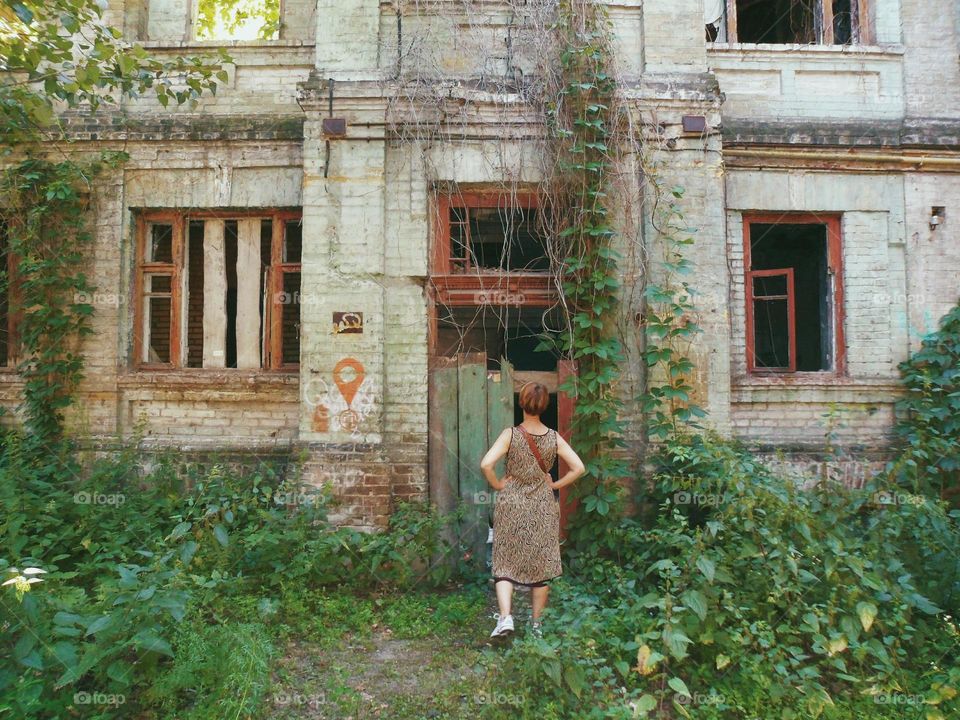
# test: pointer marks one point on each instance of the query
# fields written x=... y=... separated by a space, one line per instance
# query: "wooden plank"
x=547 y=378
x=214 y=294
x=443 y=442
x=474 y=492
x=500 y=389
x=565 y=408
x=248 y=293
x=826 y=9
x=733 y=34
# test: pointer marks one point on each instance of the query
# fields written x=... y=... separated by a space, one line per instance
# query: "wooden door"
x=468 y=408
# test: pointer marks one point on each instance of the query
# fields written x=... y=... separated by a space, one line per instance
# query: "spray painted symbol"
x=348 y=374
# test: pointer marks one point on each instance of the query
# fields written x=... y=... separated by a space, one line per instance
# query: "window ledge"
x=205 y=378
x=201 y=45
x=810 y=379
x=756 y=49
x=815 y=388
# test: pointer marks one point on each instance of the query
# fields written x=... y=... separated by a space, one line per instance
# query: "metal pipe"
x=841 y=156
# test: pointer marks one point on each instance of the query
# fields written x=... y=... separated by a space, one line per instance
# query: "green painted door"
x=469 y=408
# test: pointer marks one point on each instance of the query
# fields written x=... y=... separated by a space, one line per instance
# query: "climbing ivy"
x=61 y=55
x=581 y=122
x=47 y=231
x=584 y=120
x=669 y=321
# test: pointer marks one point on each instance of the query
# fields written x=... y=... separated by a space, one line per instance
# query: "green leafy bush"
x=930 y=420
x=131 y=561
x=745 y=597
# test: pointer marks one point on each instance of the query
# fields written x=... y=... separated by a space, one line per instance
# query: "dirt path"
x=385 y=676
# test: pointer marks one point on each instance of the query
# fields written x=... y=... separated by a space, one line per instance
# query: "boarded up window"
x=218 y=292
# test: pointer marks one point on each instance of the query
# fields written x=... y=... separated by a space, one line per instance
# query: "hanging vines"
x=581 y=121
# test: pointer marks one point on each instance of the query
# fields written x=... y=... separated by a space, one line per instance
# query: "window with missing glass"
x=236 y=19
x=218 y=290
x=794 y=294
x=789 y=22
x=490 y=233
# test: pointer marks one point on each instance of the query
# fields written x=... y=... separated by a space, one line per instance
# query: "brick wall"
x=367 y=217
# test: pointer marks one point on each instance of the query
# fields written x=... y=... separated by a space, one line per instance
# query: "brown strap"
x=533 y=448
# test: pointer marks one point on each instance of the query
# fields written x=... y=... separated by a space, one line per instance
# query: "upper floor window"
x=789 y=22
x=490 y=233
x=236 y=19
x=218 y=289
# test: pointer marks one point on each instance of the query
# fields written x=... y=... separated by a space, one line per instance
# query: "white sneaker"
x=504 y=626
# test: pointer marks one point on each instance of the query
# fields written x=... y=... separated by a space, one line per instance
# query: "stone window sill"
x=206 y=378
x=804 y=51
x=202 y=45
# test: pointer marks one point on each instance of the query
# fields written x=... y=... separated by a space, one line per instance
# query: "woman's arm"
x=573 y=461
x=489 y=463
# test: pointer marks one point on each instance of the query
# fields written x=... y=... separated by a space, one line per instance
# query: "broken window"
x=237 y=19
x=800 y=22
x=219 y=291
x=793 y=294
x=490 y=233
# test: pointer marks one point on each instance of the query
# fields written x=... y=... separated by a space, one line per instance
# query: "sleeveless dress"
x=526 y=516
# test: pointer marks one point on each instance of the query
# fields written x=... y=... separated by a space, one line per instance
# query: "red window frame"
x=790 y=297
x=13 y=313
x=272 y=350
x=832 y=224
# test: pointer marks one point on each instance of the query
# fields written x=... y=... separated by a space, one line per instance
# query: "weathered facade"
x=270 y=265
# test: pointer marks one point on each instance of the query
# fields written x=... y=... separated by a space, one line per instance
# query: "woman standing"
x=526 y=516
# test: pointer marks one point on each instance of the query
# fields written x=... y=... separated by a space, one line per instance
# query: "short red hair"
x=534 y=398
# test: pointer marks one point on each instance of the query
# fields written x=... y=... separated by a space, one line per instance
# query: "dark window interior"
x=160 y=244
x=512 y=332
x=195 y=295
x=771 y=322
x=777 y=21
x=230 y=257
x=290 y=323
x=802 y=247
x=497 y=239
x=843 y=21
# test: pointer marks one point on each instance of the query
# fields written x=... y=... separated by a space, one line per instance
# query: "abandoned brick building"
x=281 y=269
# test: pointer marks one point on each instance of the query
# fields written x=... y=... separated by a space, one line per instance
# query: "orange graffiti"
x=348 y=387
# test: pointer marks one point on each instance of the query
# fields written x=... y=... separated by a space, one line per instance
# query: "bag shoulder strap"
x=533 y=448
